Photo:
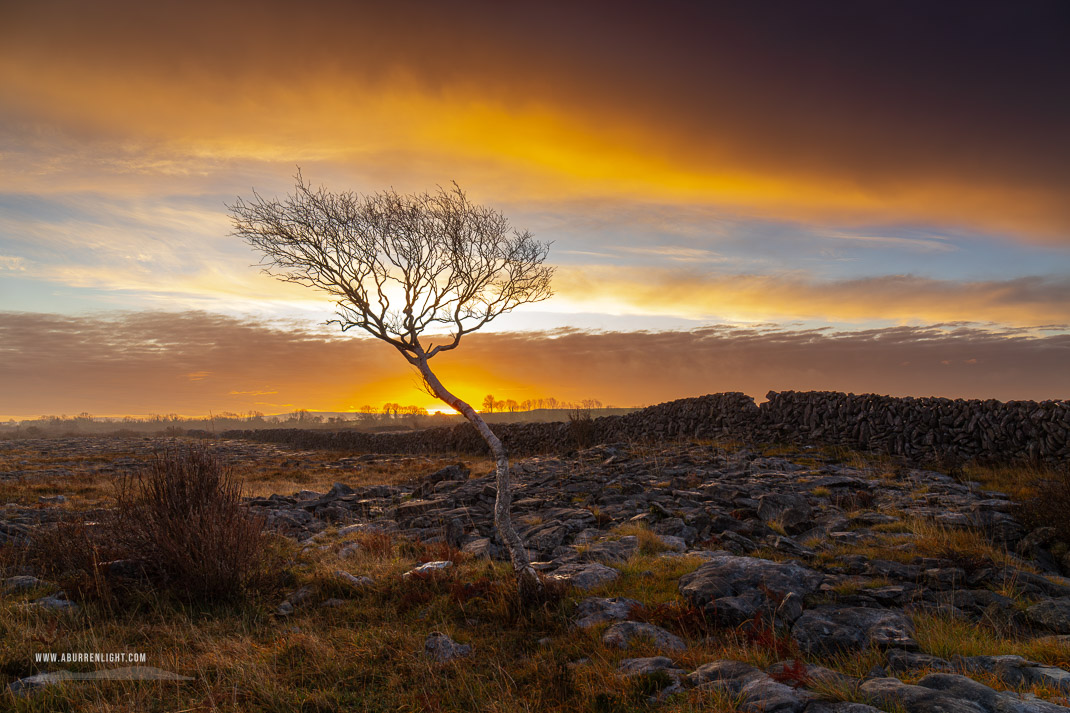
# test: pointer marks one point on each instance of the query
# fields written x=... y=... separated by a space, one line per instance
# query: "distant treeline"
x=390 y=416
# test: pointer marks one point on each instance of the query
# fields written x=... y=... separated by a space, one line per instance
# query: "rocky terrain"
x=864 y=582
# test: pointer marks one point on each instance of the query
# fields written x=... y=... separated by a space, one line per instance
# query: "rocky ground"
x=832 y=566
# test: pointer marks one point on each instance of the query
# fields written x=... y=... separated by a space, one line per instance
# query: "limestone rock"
x=621 y=634
x=599 y=610
x=442 y=648
x=830 y=630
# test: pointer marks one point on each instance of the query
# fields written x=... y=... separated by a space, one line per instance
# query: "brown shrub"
x=182 y=517
x=582 y=431
x=71 y=553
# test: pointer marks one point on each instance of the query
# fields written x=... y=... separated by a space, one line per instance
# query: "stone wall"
x=921 y=429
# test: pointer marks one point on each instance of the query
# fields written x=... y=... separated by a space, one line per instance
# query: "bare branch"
x=398 y=265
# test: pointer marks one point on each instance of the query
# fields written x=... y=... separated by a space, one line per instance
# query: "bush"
x=70 y=552
x=182 y=517
x=582 y=431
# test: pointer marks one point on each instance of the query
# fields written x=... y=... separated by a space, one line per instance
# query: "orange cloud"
x=137 y=364
x=529 y=105
x=749 y=298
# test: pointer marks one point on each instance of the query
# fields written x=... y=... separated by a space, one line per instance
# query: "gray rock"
x=991 y=701
x=428 y=568
x=917 y=699
x=20 y=583
x=900 y=660
x=1052 y=614
x=756 y=689
x=647 y=665
x=792 y=511
x=841 y=707
x=611 y=551
x=599 y=610
x=621 y=635
x=454 y=532
x=1016 y=670
x=829 y=630
x=442 y=648
x=55 y=603
x=361 y=582
x=481 y=547
x=585 y=575
x=733 y=589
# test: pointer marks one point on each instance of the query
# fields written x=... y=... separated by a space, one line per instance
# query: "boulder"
x=888 y=692
x=733 y=589
x=756 y=690
x=1051 y=614
x=621 y=635
x=442 y=648
x=599 y=610
x=585 y=575
x=830 y=630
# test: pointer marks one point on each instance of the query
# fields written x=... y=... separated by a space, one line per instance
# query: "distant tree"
x=488 y=403
x=399 y=265
x=511 y=406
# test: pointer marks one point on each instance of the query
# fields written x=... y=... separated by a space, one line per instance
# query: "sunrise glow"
x=737 y=201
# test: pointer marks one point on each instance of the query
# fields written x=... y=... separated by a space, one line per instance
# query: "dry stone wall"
x=920 y=429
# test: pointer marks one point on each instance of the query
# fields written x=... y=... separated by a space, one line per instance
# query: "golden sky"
x=799 y=165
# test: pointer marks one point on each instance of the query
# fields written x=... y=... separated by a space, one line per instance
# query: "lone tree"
x=400 y=265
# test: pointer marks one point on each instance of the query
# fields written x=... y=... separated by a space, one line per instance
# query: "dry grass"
x=366 y=653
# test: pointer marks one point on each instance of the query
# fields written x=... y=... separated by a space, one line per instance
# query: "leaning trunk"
x=527 y=581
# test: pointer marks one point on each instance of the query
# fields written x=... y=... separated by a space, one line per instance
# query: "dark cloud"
x=192 y=362
x=879 y=96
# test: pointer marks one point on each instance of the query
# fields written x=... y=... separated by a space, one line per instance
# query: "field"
x=662 y=564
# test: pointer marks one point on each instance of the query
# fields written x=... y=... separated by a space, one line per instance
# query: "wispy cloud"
x=139 y=363
x=928 y=244
x=677 y=253
x=12 y=264
x=1027 y=301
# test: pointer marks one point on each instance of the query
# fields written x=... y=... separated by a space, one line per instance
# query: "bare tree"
x=400 y=265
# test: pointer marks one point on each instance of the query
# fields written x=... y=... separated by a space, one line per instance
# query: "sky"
x=866 y=197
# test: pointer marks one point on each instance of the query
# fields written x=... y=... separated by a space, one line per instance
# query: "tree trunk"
x=528 y=584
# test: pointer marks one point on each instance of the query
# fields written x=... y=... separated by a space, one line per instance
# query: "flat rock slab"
x=1016 y=670
x=585 y=575
x=21 y=583
x=735 y=588
x=648 y=665
x=989 y=700
x=890 y=692
x=429 y=567
x=600 y=610
x=621 y=634
x=830 y=630
x=1053 y=615
x=757 y=690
